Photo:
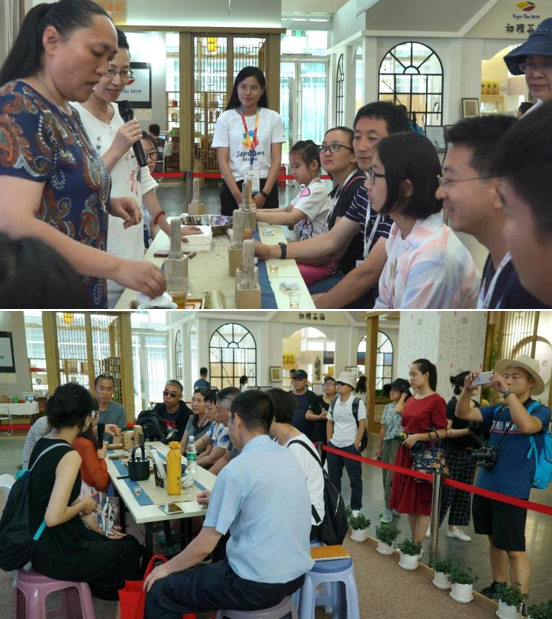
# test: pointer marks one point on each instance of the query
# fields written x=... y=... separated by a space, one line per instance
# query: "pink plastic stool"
x=35 y=588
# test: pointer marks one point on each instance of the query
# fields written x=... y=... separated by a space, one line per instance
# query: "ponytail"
x=426 y=367
x=66 y=16
x=69 y=406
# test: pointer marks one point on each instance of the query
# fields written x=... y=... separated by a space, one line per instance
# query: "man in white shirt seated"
x=268 y=552
x=303 y=449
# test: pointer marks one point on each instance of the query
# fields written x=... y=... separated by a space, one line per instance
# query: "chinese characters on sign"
x=117 y=10
x=520 y=28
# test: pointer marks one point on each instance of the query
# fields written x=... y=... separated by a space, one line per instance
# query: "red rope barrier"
x=497 y=496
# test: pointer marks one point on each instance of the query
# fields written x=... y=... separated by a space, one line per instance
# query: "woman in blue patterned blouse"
x=53 y=185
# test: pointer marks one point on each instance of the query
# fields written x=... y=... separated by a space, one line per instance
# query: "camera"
x=485 y=457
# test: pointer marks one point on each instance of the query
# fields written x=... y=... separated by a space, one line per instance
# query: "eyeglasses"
x=171 y=394
x=531 y=67
x=252 y=89
x=332 y=148
x=125 y=74
x=372 y=175
x=445 y=183
x=153 y=155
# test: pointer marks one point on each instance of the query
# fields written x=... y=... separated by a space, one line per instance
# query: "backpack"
x=543 y=461
x=364 y=440
x=152 y=426
x=16 y=537
x=333 y=528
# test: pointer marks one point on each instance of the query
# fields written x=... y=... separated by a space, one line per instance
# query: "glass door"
x=303 y=101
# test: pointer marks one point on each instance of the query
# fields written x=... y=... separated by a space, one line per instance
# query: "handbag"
x=313 y=273
x=132 y=597
x=429 y=459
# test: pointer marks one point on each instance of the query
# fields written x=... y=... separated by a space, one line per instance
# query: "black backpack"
x=333 y=528
x=364 y=440
x=152 y=426
x=16 y=537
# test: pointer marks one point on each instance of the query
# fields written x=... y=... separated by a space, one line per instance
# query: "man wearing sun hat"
x=511 y=424
x=533 y=58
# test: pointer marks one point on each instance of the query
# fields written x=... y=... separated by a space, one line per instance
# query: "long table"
x=208 y=271
x=144 y=507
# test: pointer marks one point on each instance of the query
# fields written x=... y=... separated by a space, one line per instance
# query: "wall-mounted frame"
x=470 y=107
x=352 y=369
x=138 y=90
x=275 y=374
x=436 y=135
x=7 y=357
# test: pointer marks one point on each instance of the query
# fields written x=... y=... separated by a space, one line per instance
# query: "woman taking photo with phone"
x=248 y=138
x=48 y=168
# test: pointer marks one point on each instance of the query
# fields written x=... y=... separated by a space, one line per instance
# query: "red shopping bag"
x=132 y=598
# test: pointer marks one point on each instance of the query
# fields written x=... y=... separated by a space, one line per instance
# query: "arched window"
x=232 y=353
x=384 y=359
x=359 y=79
x=411 y=74
x=178 y=355
x=339 y=93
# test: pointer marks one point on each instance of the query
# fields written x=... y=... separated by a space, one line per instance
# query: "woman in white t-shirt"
x=427 y=266
x=113 y=140
x=309 y=210
x=248 y=138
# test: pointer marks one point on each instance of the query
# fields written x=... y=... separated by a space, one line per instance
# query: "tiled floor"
x=474 y=553
x=172 y=197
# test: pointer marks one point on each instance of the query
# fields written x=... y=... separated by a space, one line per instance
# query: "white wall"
x=16 y=384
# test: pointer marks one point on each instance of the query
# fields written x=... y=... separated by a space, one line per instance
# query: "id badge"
x=253 y=175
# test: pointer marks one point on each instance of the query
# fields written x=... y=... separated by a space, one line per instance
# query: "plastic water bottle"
x=191 y=456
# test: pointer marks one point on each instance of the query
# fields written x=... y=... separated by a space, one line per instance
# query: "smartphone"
x=101 y=430
x=171 y=508
x=482 y=379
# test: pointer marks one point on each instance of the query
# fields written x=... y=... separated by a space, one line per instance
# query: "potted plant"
x=410 y=551
x=360 y=525
x=462 y=582
x=540 y=611
x=509 y=601
x=386 y=533
x=441 y=571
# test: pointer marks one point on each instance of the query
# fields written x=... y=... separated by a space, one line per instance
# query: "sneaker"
x=491 y=591
x=428 y=532
x=355 y=513
x=387 y=516
x=458 y=534
x=395 y=513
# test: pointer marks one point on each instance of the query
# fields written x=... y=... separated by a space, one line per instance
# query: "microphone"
x=127 y=113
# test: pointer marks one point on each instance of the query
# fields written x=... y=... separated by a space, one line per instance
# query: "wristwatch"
x=283 y=250
x=507 y=393
x=263 y=193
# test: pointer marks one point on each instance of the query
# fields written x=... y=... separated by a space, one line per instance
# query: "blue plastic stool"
x=276 y=612
x=341 y=574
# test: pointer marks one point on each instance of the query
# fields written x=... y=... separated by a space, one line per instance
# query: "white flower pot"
x=461 y=593
x=408 y=562
x=359 y=535
x=384 y=549
x=505 y=611
x=441 y=581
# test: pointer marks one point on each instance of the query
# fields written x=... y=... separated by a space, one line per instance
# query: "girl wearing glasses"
x=427 y=266
x=309 y=210
x=48 y=166
x=113 y=140
x=198 y=423
x=248 y=138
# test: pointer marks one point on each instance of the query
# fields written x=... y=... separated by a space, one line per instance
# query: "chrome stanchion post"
x=189 y=187
x=435 y=509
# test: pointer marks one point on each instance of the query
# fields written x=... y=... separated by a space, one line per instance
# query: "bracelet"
x=263 y=193
x=283 y=250
x=156 y=218
x=508 y=393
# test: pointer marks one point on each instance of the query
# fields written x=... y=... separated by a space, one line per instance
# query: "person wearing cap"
x=399 y=392
x=318 y=413
x=533 y=58
x=344 y=432
x=512 y=425
x=458 y=446
x=304 y=398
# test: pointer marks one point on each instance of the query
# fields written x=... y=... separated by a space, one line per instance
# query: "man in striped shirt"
x=372 y=123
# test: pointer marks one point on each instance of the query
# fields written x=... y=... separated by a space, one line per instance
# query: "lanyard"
x=254 y=140
x=485 y=298
x=368 y=244
x=338 y=193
